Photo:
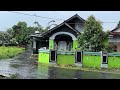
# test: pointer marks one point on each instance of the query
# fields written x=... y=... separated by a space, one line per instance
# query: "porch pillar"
x=75 y=45
x=34 y=46
x=51 y=43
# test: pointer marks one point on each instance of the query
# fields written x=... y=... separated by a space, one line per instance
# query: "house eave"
x=35 y=35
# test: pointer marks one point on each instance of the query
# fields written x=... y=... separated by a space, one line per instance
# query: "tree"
x=20 y=33
x=93 y=38
x=4 y=38
x=12 y=39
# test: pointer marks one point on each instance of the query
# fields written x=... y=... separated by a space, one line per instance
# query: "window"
x=77 y=26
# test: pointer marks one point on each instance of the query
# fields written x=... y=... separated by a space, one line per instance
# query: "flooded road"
x=21 y=68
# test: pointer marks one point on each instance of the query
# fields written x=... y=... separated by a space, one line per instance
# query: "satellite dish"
x=37 y=32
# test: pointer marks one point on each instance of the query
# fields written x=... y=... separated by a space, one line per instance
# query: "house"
x=62 y=37
x=114 y=38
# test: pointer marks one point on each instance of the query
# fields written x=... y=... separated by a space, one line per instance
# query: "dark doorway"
x=105 y=61
x=79 y=56
x=53 y=56
x=104 y=58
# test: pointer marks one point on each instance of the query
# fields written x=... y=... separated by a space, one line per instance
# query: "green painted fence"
x=65 y=59
x=90 y=59
x=43 y=56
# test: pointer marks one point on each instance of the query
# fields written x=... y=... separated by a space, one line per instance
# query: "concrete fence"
x=80 y=58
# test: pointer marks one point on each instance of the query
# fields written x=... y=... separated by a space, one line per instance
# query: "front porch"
x=61 y=41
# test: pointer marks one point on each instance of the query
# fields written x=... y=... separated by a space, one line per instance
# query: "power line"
x=49 y=17
x=108 y=22
x=34 y=15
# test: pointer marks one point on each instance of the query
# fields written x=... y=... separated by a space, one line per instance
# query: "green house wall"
x=75 y=45
x=51 y=44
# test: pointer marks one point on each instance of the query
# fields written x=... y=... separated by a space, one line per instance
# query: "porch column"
x=75 y=45
x=51 y=43
x=34 y=46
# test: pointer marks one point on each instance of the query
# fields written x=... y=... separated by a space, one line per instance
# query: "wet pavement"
x=22 y=68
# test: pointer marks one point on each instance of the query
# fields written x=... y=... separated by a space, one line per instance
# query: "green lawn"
x=9 y=52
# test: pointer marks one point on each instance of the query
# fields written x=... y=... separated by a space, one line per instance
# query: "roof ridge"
x=76 y=15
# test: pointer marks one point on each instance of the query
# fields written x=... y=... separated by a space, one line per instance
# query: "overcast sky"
x=8 y=19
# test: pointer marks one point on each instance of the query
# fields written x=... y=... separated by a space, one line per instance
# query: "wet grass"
x=9 y=52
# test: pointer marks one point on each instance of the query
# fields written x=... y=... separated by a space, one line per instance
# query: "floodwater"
x=21 y=68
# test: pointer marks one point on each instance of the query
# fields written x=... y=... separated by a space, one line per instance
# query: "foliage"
x=93 y=38
x=20 y=33
x=9 y=52
x=4 y=38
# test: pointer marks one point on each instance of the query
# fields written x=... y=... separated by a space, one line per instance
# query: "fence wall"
x=90 y=59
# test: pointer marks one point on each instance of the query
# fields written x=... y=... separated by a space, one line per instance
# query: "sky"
x=9 y=18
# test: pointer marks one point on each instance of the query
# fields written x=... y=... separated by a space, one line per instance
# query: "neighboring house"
x=114 y=38
x=62 y=37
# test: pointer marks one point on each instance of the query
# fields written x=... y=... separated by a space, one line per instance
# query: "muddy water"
x=21 y=68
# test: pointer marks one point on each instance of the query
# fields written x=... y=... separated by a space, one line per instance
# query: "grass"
x=10 y=51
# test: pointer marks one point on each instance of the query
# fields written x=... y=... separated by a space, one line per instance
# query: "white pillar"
x=34 y=46
x=34 y=43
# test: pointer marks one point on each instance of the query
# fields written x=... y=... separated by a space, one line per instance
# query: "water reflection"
x=23 y=69
x=42 y=71
x=46 y=72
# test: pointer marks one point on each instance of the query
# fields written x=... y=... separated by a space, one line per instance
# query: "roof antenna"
x=48 y=27
x=37 y=24
x=118 y=23
x=35 y=18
